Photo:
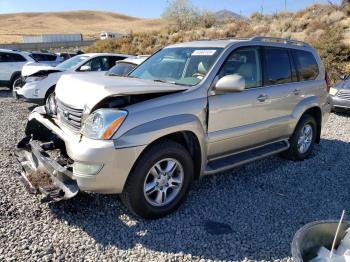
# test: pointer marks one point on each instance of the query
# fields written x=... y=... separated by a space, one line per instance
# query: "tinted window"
x=306 y=64
x=9 y=57
x=246 y=63
x=277 y=66
x=2 y=57
x=44 y=57
x=114 y=59
x=17 y=58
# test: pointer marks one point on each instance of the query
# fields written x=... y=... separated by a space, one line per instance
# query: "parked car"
x=39 y=81
x=124 y=67
x=340 y=94
x=11 y=64
x=191 y=109
x=47 y=58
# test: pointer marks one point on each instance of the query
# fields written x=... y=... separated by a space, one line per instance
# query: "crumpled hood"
x=32 y=68
x=81 y=90
x=343 y=85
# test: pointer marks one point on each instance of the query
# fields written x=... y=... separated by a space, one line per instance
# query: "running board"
x=237 y=159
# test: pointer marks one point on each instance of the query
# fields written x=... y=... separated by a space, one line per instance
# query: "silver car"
x=191 y=109
x=340 y=95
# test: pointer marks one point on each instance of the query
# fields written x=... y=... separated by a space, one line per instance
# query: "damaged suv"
x=191 y=109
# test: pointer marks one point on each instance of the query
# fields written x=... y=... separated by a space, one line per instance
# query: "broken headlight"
x=51 y=106
x=103 y=123
x=35 y=78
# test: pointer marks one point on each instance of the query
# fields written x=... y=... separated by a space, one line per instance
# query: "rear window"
x=278 y=66
x=306 y=64
x=44 y=57
x=121 y=69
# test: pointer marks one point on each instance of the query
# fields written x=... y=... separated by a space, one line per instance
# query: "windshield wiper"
x=168 y=82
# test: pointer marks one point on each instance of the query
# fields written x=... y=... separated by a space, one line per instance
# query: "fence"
x=47 y=46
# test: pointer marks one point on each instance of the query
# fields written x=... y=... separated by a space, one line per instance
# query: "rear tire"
x=159 y=181
x=303 y=139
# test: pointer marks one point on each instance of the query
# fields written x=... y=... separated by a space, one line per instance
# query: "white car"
x=39 y=81
x=47 y=58
x=11 y=64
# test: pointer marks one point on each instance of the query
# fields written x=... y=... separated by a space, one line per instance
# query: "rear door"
x=9 y=64
x=283 y=89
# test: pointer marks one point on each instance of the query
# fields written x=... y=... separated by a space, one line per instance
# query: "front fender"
x=148 y=132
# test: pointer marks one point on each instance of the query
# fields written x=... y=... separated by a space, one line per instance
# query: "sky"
x=152 y=8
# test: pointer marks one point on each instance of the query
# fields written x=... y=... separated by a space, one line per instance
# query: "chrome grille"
x=345 y=94
x=69 y=115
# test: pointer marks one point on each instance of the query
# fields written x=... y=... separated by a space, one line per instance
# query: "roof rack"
x=279 y=40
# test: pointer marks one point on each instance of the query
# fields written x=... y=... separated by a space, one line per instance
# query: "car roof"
x=206 y=43
x=105 y=54
x=11 y=51
x=263 y=40
x=134 y=60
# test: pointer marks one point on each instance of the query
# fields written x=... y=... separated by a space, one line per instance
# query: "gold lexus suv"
x=191 y=109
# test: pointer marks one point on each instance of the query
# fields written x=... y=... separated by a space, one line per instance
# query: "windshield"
x=182 y=65
x=121 y=69
x=72 y=62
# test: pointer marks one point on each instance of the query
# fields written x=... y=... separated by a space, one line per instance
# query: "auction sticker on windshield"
x=203 y=52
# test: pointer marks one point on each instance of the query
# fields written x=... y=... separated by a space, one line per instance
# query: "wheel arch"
x=48 y=92
x=316 y=113
x=183 y=129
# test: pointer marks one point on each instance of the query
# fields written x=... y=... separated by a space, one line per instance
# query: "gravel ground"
x=248 y=214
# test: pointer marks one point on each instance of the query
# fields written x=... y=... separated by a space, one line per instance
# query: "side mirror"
x=85 y=68
x=231 y=83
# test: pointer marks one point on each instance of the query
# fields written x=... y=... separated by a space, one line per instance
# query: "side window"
x=246 y=63
x=16 y=58
x=98 y=64
x=277 y=66
x=306 y=64
x=2 y=58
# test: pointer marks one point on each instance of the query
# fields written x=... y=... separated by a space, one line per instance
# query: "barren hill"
x=89 y=23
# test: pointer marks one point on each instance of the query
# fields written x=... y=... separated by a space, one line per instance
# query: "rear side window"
x=10 y=57
x=277 y=66
x=306 y=64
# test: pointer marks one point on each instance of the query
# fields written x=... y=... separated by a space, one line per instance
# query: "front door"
x=241 y=120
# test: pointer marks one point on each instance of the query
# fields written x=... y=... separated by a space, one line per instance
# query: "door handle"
x=262 y=98
x=297 y=91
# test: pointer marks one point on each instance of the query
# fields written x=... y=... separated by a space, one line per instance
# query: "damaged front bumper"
x=41 y=174
x=67 y=158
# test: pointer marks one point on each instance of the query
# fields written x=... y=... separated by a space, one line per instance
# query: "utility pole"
x=285 y=5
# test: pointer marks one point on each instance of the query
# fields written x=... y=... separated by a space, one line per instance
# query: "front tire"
x=17 y=78
x=303 y=139
x=159 y=181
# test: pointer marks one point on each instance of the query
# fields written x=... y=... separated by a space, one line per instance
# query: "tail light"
x=328 y=82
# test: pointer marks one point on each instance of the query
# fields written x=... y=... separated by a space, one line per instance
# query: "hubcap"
x=305 y=139
x=163 y=182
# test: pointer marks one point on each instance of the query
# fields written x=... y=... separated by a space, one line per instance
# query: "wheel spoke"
x=161 y=196
x=150 y=188
x=175 y=182
x=155 y=171
x=171 y=167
